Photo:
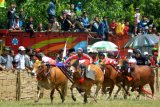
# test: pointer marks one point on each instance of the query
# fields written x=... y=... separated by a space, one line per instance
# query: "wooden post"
x=18 y=87
x=157 y=79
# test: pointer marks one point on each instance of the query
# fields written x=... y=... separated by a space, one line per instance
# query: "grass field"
x=102 y=102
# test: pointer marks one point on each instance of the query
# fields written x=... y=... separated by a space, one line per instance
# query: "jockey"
x=81 y=57
x=45 y=59
x=104 y=60
x=132 y=62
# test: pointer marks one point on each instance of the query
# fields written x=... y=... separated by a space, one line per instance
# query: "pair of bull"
x=54 y=79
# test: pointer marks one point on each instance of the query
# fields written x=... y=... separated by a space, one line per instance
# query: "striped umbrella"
x=146 y=40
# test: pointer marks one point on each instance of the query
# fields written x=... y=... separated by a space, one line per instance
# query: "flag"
x=65 y=51
x=2 y=3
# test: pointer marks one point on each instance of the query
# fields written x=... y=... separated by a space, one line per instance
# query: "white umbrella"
x=104 y=46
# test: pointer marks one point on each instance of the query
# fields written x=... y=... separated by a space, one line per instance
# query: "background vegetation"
x=117 y=9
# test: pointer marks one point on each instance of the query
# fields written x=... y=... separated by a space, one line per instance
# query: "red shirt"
x=126 y=30
x=84 y=56
x=113 y=26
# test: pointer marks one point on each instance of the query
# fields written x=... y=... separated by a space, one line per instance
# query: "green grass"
x=102 y=102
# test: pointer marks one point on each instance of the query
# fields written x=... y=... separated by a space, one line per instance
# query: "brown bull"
x=50 y=80
x=141 y=75
x=87 y=83
x=111 y=78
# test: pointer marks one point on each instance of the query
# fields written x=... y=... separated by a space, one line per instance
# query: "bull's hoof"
x=63 y=100
x=36 y=101
x=125 y=96
x=115 y=96
x=74 y=99
x=132 y=89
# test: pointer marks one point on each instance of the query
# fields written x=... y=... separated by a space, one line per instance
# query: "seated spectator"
x=40 y=28
x=143 y=23
x=146 y=30
x=126 y=29
x=120 y=28
x=21 y=17
x=113 y=26
x=79 y=25
x=150 y=30
x=85 y=20
x=29 y=26
x=103 y=29
x=62 y=19
x=55 y=27
x=16 y=24
x=67 y=25
x=95 y=24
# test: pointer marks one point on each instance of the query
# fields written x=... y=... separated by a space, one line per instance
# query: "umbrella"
x=104 y=46
x=142 y=41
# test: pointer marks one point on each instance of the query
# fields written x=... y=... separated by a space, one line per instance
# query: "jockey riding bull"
x=81 y=57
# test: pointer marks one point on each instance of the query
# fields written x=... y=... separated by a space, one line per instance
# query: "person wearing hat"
x=20 y=58
x=129 y=54
x=8 y=58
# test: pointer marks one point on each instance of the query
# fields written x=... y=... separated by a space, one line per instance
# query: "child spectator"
x=113 y=26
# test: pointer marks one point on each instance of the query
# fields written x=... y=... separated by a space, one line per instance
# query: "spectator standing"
x=137 y=16
x=8 y=58
x=113 y=26
x=78 y=8
x=103 y=29
x=85 y=20
x=11 y=15
x=95 y=24
x=126 y=29
x=21 y=17
x=20 y=58
x=51 y=9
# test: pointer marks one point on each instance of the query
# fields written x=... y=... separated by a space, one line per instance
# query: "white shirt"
x=20 y=59
x=137 y=16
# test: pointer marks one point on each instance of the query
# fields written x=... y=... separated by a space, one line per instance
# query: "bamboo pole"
x=18 y=87
x=157 y=79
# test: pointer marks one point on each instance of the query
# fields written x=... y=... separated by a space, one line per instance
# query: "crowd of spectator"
x=77 y=20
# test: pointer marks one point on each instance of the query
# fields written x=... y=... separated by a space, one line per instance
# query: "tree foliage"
x=118 y=9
